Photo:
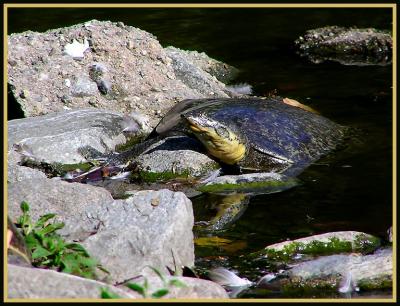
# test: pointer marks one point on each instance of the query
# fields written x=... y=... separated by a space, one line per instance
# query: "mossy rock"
x=320 y=245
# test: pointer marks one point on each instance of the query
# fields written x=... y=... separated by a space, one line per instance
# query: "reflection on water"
x=350 y=190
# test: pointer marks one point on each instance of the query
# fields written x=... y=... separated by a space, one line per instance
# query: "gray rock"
x=83 y=87
x=223 y=72
x=175 y=157
x=194 y=77
x=348 y=46
x=194 y=288
x=58 y=137
x=139 y=77
x=149 y=228
x=353 y=237
x=368 y=272
x=32 y=283
x=16 y=173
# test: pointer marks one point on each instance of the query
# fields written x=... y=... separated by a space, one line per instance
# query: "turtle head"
x=219 y=140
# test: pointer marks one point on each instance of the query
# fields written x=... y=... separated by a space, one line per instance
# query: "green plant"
x=49 y=250
x=143 y=289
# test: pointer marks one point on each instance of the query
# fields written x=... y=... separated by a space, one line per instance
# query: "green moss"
x=131 y=141
x=384 y=282
x=334 y=246
x=62 y=168
x=57 y=169
x=301 y=287
x=152 y=177
x=366 y=243
x=273 y=185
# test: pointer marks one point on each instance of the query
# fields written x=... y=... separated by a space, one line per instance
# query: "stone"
x=33 y=283
x=348 y=46
x=58 y=137
x=116 y=232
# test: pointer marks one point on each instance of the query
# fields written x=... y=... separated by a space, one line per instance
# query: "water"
x=351 y=190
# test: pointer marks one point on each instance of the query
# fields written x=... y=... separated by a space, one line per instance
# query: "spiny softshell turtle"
x=255 y=134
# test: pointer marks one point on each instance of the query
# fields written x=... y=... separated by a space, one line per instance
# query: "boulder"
x=102 y=64
x=148 y=228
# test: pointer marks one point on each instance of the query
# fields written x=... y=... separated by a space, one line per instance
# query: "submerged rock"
x=367 y=272
x=229 y=208
x=348 y=46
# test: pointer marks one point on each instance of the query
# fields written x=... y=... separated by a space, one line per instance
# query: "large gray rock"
x=124 y=69
x=32 y=283
x=58 y=137
x=149 y=228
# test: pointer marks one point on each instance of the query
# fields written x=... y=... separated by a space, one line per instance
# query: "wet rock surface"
x=249 y=183
x=357 y=241
x=366 y=272
x=348 y=46
x=124 y=69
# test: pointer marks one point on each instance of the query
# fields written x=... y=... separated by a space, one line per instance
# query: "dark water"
x=351 y=190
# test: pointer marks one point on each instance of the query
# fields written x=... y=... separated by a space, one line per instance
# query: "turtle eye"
x=222 y=132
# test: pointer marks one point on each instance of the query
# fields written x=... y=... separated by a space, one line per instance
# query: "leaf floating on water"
x=211 y=241
x=226 y=278
x=295 y=103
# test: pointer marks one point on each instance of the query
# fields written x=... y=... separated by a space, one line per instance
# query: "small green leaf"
x=87 y=261
x=77 y=247
x=31 y=241
x=43 y=219
x=106 y=294
x=159 y=293
x=24 y=206
x=177 y=283
x=50 y=228
x=40 y=252
x=136 y=287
